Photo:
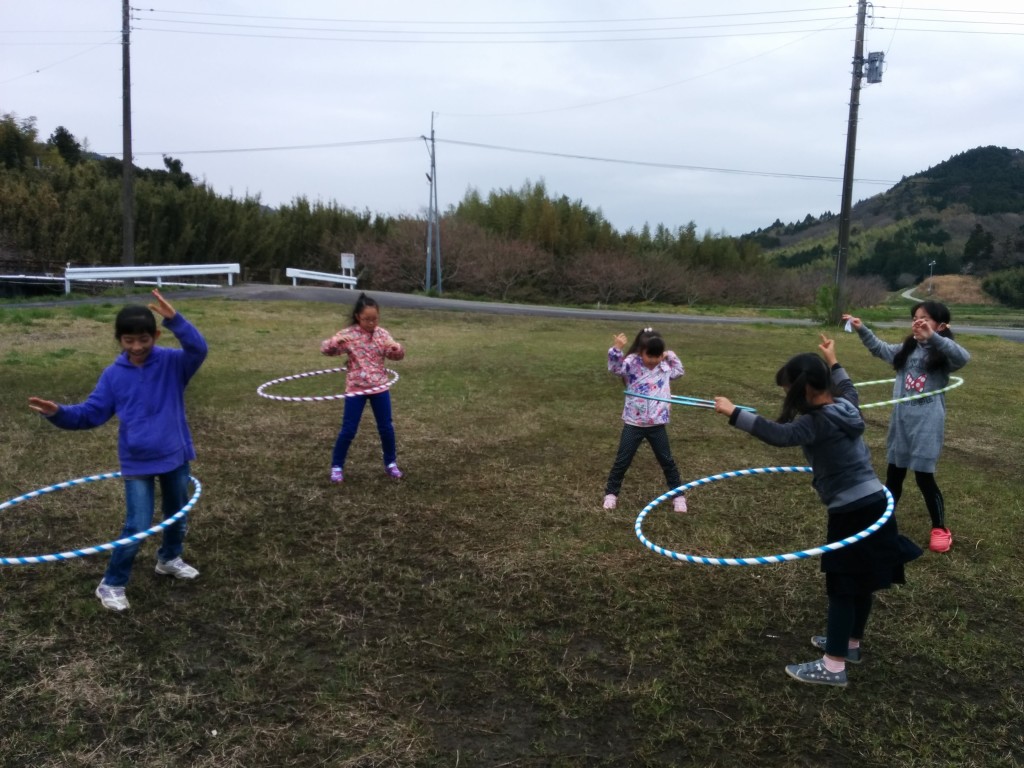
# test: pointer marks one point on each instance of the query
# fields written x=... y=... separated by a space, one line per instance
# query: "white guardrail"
x=158 y=273
x=349 y=281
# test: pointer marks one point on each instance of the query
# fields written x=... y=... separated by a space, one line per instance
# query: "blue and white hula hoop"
x=763 y=559
x=94 y=550
x=956 y=382
x=261 y=389
x=684 y=400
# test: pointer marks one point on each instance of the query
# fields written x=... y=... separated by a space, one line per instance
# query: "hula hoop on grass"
x=697 y=402
x=956 y=382
x=94 y=550
x=261 y=389
x=763 y=559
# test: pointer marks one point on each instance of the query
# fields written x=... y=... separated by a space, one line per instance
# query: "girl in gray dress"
x=923 y=363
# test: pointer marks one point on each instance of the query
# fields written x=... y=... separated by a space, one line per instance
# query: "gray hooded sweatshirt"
x=832 y=441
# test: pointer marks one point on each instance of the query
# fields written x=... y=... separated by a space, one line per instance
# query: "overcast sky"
x=713 y=111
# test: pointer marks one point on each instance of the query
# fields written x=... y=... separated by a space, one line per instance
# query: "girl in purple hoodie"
x=145 y=389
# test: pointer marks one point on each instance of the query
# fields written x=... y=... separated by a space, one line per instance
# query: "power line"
x=519 y=150
x=668 y=38
x=669 y=166
x=435 y=22
x=239 y=150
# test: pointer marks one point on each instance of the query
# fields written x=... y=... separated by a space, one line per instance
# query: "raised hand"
x=828 y=349
x=162 y=307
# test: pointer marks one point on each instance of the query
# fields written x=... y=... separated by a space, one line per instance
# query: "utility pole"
x=433 y=223
x=851 y=150
x=127 y=192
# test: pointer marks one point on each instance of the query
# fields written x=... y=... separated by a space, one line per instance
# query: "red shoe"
x=941 y=541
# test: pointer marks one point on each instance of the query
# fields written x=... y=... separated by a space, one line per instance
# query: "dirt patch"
x=955 y=289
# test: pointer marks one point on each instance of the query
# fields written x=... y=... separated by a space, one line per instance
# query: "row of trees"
x=60 y=204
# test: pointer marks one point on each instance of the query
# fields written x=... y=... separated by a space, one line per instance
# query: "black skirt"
x=874 y=562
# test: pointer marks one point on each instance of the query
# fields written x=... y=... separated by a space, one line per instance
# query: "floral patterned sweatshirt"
x=639 y=411
x=366 y=355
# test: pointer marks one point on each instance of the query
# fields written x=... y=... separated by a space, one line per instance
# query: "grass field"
x=486 y=611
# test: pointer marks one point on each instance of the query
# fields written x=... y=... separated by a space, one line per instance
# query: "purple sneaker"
x=337 y=476
x=392 y=470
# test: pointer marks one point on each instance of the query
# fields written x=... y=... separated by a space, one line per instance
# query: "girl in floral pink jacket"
x=646 y=369
x=367 y=346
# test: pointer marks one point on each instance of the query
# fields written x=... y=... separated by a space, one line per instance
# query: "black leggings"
x=894 y=478
x=847 y=617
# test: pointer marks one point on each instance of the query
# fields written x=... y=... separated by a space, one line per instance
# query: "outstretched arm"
x=44 y=407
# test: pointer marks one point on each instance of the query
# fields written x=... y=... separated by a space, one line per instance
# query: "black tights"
x=847 y=617
x=894 y=477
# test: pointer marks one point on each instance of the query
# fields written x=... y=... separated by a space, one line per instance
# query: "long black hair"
x=936 y=360
x=362 y=303
x=807 y=369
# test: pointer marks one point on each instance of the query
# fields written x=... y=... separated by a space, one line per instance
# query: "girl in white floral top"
x=367 y=346
x=646 y=369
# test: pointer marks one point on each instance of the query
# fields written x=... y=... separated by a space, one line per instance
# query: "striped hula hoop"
x=764 y=559
x=261 y=389
x=956 y=382
x=684 y=400
x=94 y=550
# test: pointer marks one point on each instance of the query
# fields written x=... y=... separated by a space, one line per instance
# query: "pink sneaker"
x=337 y=476
x=393 y=471
x=610 y=500
x=679 y=503
x=941 y=540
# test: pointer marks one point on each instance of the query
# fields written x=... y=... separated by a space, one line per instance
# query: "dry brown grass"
x=955 y=289
x=486 y=611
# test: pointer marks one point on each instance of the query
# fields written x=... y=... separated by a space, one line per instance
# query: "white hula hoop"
x=956 y=382
x=97 y=548
x=761 y=559
x=261 y=389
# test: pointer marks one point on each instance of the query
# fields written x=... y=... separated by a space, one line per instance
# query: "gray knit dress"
x=917 y=427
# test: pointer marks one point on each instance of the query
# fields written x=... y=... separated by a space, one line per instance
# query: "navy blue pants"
x=381 y=405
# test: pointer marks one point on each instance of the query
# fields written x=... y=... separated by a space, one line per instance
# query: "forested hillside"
x=963 y=216
x=60 y=205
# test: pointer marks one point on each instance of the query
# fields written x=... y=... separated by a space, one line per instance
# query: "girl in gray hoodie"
x=820 y=415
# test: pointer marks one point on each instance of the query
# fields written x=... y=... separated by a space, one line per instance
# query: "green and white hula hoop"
x=956 y=381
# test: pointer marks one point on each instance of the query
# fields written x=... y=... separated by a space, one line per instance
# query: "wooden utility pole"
x=851 y=150
x=127 y=191
x=433 y=218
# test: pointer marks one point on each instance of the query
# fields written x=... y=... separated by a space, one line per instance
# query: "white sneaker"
x=679 y=504
x=177 y=568
x=610 y=501
x=112 y=597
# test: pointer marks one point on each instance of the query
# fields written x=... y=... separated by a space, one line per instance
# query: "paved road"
x=267 y=292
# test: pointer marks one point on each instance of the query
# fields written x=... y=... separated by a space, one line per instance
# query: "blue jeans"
x=139 y=493
x=381 y=405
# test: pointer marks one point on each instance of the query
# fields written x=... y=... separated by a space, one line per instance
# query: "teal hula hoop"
x=763 y=559
x=956 y=382
x=94 y=550
x=697 y=402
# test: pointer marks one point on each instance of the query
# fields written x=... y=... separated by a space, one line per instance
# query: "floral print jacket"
x=639 y=411
x=366 y=355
